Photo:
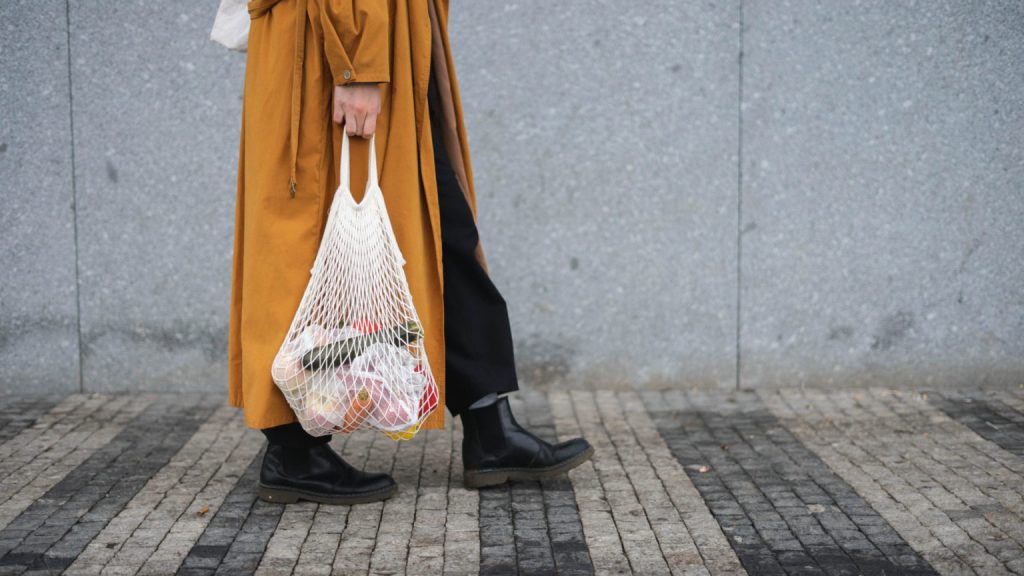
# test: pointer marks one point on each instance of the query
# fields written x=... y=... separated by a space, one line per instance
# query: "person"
x=380 y=68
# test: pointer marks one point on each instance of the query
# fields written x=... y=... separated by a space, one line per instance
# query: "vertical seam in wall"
x=739 y=203
x=74 y=196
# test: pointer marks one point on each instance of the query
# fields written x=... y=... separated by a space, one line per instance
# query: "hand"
x=356 y=106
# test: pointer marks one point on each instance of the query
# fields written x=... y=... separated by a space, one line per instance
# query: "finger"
x=339 y=112
x=369 y=125
x=351 y=124
x=360 y=120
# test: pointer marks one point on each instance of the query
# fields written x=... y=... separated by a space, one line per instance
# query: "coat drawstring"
x=258 y=8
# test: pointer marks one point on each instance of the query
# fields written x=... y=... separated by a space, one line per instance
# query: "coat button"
x=347 y=74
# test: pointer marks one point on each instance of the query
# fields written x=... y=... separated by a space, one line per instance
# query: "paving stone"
x=532 y=525
x=22 y=412
x=657 y=482
x=317 y=551
x=868 y=438
x=744 y=447
x=638 y=538
x=116 y=472
x=149 y=517
x=390 y=553
x=229 y=524
x=990 y=418
x=29 y=441
x=797 y=481
x=565 y=529
x=606 y=547
x=358 y=539
x=41 y=456
x=462 y=528
x=426 y=543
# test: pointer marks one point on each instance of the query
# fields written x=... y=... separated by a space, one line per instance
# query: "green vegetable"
x=341 y=352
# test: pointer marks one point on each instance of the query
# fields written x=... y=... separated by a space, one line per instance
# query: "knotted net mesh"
x=354 y=356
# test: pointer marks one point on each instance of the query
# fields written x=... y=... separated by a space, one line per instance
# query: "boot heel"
x=481 y=479
x=276 y=496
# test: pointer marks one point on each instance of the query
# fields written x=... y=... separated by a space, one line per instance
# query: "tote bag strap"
x=372 y=183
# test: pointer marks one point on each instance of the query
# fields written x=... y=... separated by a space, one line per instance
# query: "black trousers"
x=479 y=355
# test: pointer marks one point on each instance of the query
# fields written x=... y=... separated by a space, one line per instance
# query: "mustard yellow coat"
x=288 y=168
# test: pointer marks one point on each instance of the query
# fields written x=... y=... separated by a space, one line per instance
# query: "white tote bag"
x=354 y=355
x=231 y=25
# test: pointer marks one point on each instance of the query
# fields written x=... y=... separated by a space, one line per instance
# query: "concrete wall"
x=843 y=204
x=39 y=345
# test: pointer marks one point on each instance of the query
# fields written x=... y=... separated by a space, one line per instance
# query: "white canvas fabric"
x=231 y=25
x=354 y=355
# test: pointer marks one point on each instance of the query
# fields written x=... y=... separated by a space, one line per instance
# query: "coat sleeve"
x=356 y=40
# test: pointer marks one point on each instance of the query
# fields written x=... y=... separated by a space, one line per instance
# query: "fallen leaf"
x=203 y=510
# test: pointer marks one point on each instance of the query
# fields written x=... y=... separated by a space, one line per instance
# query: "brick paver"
x=913 y=464
x=683 y=481
x=54 y=529
x=21 y=412
x=239 y=509
x=698 y=546
x=785 y=511
x=603 y=540
x=40 y=457
x=462 y=526
x=565 y=529
x=427 y=538
x=193 y=521
x=532 y=526
x=127 y=541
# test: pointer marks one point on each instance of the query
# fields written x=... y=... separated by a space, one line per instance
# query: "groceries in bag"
x=351 y=364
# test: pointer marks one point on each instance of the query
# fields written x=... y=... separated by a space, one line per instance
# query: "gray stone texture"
x=841 y=205
x=157 y=112
x=604 y=137
x=38 y=298
x=883 y=193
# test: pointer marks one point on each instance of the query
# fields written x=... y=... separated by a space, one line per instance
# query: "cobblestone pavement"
x=683 y=481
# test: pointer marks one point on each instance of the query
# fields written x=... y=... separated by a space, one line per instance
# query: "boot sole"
x=280 y=495
x=494 y=476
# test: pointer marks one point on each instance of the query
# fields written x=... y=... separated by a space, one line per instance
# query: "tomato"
x=364 y=326
x=428 y=401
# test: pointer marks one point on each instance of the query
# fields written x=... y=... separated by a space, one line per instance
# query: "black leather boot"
x=318 y=474
x=495 y=449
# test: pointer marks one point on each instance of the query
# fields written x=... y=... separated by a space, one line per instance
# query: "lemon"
x=406 y=434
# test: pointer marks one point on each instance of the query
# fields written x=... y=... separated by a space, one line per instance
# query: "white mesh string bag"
x=354 y=355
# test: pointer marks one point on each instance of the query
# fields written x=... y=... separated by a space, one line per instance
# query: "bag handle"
x=344 y=169
x=373 y=191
